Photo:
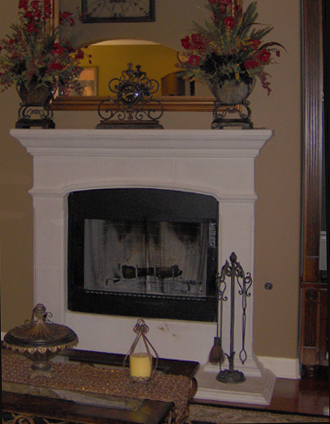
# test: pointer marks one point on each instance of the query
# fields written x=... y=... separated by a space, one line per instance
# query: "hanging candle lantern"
x=141 y=361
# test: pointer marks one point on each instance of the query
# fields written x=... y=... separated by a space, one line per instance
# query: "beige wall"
x=277 y=172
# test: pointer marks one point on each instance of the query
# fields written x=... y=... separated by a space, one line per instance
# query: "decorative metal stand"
x=35 y=116
x=221 y=122
x=231 y=99
x=134 y=106
x=235 y=271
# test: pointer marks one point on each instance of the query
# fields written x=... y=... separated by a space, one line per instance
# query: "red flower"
x=193 y=42
x=37 y=13
x=56 y=66
x=28 y=15
x=220 y=4
x=23 y=4
x=47 y=9
x=255 y=44
x=67 y=16
x=264 y=82
x=35 y=4
x=251 y=64
x=186 y=42
x=34 y=47
x=225 y=2
x=194 y=60
x=31 y=27
x=264 y=55
x=57 y=49
x=68 y=47
x=198 y=41
x=229 y=22
x=79 y=54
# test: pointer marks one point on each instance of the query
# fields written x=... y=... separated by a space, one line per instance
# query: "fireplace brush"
x=217 y=355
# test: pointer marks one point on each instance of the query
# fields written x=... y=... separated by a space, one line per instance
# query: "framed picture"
x=88 y=80
x=98 y=11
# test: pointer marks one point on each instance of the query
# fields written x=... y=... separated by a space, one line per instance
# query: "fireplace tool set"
x=235 y=272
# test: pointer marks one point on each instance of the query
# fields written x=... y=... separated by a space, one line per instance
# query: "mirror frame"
x=169 y=103
x=91 y=103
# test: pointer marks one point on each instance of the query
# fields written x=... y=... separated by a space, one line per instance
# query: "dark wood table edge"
x=150 y=412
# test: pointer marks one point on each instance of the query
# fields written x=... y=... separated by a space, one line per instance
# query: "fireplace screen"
x=143 y=252
x=147 y=257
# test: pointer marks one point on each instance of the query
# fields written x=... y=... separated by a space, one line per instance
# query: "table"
x=96 y=406
x=37 y=410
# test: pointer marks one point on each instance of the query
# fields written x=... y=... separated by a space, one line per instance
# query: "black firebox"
x=143 y=252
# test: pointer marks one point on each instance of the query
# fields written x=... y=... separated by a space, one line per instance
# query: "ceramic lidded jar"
x=39 y=339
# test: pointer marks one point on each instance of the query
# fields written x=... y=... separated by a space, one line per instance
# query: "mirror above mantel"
x=160 y=44
x=175 y=92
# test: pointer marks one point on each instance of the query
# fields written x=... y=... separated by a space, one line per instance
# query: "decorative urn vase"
x=231 y=93
x=231 y=98
x=36 y=107
x=39 y=339
x=35 y=95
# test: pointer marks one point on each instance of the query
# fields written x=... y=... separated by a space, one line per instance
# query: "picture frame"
x=101 y=11
x=89 y=81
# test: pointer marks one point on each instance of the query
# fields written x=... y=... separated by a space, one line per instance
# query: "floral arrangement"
x=229 y=47
x=39 y=54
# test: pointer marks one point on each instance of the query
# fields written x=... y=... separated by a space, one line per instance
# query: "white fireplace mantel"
x=220 y=163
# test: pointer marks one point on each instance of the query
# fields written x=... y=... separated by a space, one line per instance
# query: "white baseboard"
x=282 y=367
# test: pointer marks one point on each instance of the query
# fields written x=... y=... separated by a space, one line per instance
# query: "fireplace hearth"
x=217 y=164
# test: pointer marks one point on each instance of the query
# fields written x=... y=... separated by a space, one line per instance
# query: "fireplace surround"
x=215 y=163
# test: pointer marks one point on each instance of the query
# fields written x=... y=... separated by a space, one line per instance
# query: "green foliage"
x=39 y=53
x=229 y=46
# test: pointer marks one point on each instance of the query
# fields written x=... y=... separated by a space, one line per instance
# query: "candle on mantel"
x=140 y=365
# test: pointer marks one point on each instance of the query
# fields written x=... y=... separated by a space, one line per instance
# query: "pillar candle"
x=140 y=364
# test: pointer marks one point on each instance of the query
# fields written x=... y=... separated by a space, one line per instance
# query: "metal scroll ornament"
x=134 y=106
x=40 y=340
x=236 y=273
